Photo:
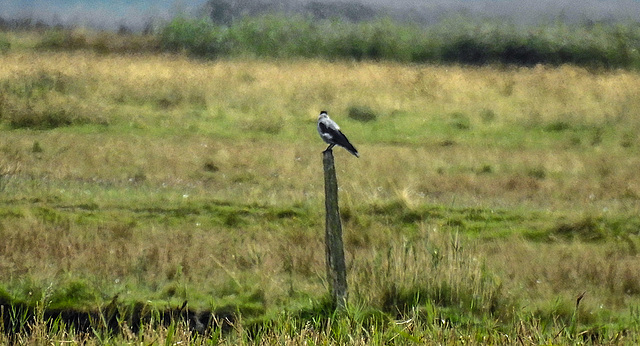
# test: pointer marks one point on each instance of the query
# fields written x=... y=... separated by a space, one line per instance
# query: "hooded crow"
x=330 y=133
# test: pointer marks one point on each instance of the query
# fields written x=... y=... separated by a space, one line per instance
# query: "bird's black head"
x=323 y=112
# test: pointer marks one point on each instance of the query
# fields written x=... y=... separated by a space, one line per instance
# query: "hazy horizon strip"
x=103 y=14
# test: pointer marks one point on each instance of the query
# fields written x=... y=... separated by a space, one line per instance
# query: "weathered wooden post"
x=336 y=267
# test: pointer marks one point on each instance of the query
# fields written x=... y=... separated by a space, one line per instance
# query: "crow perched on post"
x=330 y=133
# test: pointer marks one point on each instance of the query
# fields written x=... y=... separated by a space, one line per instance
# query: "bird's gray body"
x=330 y=133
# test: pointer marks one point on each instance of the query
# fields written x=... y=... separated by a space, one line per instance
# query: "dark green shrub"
x=362 y=113
x=72 y=294
x=276 y=36
x=558 y=126
x=461 y=40
x=5 y=45
x=587 y=229
x=63 y=40
x=198 y=37
x=466 y=50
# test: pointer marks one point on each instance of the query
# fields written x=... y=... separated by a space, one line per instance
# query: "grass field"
x=485 y=201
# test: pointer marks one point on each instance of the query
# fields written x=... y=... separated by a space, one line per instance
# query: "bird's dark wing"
x=332 y=132
x=337 y=137
x=326 y=129
x=342 y=141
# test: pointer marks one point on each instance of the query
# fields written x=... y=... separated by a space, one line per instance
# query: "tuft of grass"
x=557 y=126
x=539 y=173
x=362 y=113
x=44 y=100
x=10 y=166
x=5 y=44
x=460 y=121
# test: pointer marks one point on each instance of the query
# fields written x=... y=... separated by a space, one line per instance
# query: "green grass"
x=485 y=201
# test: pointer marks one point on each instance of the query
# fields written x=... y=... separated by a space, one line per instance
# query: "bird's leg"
x=329 y=147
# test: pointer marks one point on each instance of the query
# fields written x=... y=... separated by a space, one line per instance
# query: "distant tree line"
x=23 y=24
x=225 y=12
x=458 y=40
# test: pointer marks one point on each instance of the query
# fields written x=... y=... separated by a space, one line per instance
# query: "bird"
x=330 y=133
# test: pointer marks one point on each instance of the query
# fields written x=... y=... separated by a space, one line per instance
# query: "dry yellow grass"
x=205 y=106
x=174 y=140
x=302 y=87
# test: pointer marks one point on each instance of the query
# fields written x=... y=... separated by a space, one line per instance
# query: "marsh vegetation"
x=486 y=199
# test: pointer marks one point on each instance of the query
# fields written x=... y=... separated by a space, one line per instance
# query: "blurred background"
x=138 y=15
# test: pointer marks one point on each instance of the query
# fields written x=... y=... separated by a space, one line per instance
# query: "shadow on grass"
x=19 y=318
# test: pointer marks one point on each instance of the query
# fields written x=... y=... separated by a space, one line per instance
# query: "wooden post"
x=336 y=267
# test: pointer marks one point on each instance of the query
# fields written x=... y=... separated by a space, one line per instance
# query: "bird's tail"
x=350 y=148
